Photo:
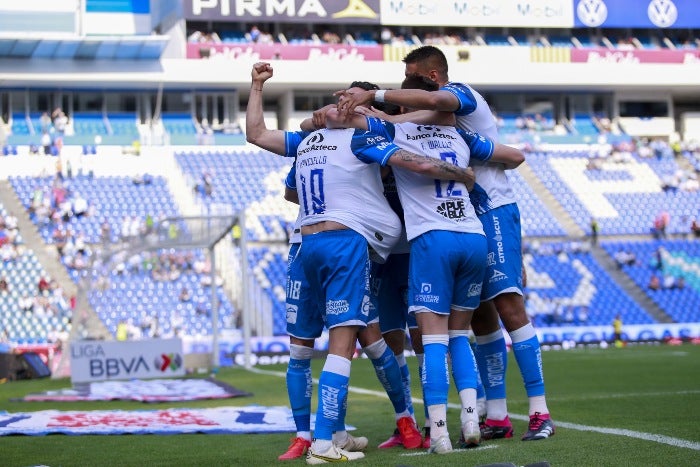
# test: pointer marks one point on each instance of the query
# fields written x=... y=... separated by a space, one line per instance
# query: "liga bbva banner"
x=115 y=360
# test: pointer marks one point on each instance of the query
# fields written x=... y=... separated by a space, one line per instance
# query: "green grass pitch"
x=636 y=406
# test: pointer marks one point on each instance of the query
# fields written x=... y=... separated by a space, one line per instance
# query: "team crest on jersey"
x=292 y=313
x=453 y=210
x=474 y=290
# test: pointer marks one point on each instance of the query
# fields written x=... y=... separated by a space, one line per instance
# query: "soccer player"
x=495 y=204
x=389 y=286
x=443 y=227
x=304 y=326
x=339 y=189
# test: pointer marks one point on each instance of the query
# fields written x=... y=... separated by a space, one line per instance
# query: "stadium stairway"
x=46 y=254
x=629 y=286
x=90 y=324
x=557 y=210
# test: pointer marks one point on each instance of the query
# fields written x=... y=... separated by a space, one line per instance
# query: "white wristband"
x=379 y=95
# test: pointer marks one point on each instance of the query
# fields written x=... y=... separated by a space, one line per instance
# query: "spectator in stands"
x=45 y=123
x=660 y=223
x=254 y=34
x=625 y=258
x=126 y=229
x=201 y=308
x=594 y=231
x=185 y=295
x=26 y=303
x=695 y=228
x=105 y=231
x=4 y=285
x=10 y=222
x=43 y=285
x=8 y=251
x=122 y=331
x=46 y=142
x=330 y=37
x=80 y=206
x=386 y=36
x=60 y=121
x=654 y=282
x=135 y=227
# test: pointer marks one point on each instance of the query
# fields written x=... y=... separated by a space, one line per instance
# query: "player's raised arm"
x=484 y=149
x=256 y=131
x=509 y=156
x=432 y=167
x=410 y=98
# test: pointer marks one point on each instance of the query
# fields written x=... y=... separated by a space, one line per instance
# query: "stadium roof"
x=84 y=48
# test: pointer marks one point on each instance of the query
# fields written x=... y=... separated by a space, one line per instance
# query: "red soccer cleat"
x=393 y=441
x=426 y=437
x=496 y=429
x=410 y=436
x=296 y=450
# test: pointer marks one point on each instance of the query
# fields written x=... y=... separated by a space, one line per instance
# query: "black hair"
x=366 y=85
x=385 y=107
x=428 y=55
x=416 y=81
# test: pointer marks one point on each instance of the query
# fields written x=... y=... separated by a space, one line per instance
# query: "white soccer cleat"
x=333 y=454
x=470 y=436
x=442 y=445
x=354 y=444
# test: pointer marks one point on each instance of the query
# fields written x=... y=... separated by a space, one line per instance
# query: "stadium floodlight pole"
x=244 y=290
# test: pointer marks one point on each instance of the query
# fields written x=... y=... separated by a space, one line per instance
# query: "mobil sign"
x=114 y=360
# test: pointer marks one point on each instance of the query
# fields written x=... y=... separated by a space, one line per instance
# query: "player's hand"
x=262 y=71
x=371 y=112
x=319 y=116
x=348 y=102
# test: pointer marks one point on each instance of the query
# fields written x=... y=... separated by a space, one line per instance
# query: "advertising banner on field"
x=115 y=360
x=637 y=14
x=284 y=11
x=498 y=13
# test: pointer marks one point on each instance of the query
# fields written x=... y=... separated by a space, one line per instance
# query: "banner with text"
x=498 y=13
x=683 y=57
x=290 y=11
x=255 y=52
x=275 y=349
x=637 y=14
x=114 y=360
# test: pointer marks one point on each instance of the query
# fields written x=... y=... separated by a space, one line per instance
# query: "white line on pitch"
x=681 y=443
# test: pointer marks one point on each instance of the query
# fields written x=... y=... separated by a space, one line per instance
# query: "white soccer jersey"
x=338 y=179
x=431 y=204
x=475 y=115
